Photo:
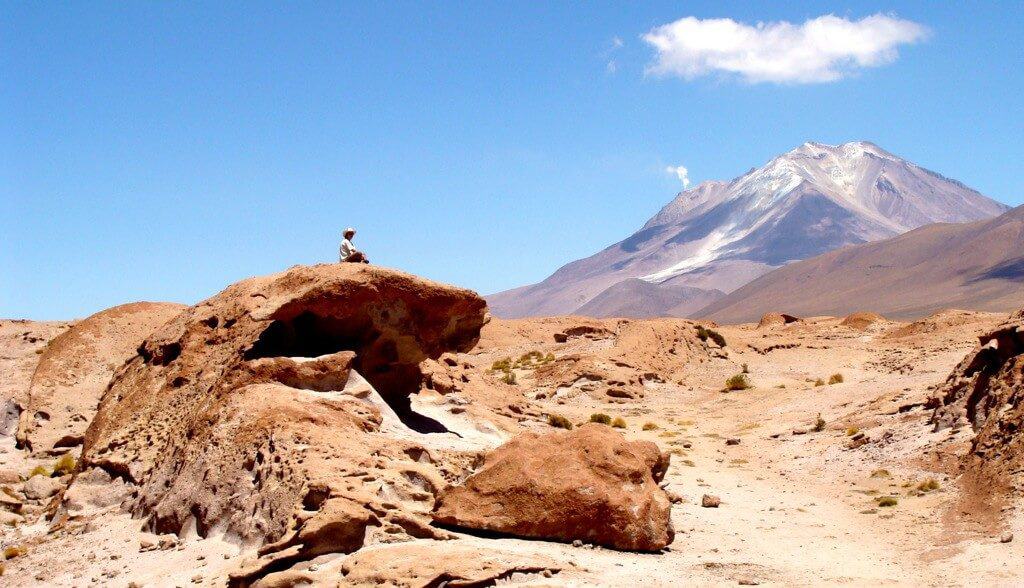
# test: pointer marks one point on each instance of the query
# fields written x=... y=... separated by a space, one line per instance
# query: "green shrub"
x=650 y=426
x=40 y=471
x=600 y=417
x=502 y=365
x=887 y=501
x=619 y=423
x=738 y=382
x=65 y=465
x=819 y=424
x=851 y=431
x=509 y=377
x=704 y=334
x=835 y=379
x=549 y=358
x=557 y=420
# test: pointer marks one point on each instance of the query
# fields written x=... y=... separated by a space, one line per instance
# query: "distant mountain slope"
x=974 y=266
x=638 y=298
x=721 y=235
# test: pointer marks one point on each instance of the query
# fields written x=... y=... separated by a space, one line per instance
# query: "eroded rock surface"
x=75 y=368
x=986 y=392
x=587 y=484
x=237 y=416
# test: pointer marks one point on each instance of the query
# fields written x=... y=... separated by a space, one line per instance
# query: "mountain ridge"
x=720 y=235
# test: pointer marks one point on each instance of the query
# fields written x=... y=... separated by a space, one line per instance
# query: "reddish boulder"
x=588 y=484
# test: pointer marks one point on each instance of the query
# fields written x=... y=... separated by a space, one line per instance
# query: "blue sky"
x=160 y=151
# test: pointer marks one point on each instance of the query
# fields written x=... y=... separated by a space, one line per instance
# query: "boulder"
x=774 y=319
x=236 y=415
x=41 y=487
x=75 y=368
x=587 y=484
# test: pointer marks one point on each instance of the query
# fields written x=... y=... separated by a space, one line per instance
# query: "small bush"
x=835 y=379
x=887 y=501
x=819 y=382
x=509 y=377
x=928 y=485
x=619 y=423
x=738 y=382
x=530 y=356
x=819 y=424
x=881 y=474
x=559 y=421
x=851 y=431
x=600 y=417
x=502 y=365
x=650 y=426
x=704 y=334
x=14 y=551
x=549 y=358
x=65 y=465
x=40 y=471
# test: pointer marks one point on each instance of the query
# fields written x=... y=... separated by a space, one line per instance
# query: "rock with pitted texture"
x=986 y=392
x=240 y=415
x=75 y=368
x=587 y=484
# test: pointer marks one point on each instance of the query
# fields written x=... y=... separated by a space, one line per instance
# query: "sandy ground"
x=798 y=506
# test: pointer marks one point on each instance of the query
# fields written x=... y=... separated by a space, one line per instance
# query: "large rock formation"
x=75 y=368
x=986 y=392
x=239 y=415
x=588 y=484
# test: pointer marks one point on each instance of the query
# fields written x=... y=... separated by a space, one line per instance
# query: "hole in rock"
x=309 y=334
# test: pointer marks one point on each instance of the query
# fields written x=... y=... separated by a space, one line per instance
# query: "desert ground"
x=827 y=467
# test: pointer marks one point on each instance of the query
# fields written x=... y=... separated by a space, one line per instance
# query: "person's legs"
x=357 y=257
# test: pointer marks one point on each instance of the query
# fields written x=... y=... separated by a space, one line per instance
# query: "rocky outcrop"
x=776 y=319
x=75 y=368
x=616 y=360
x=860 y=321
x=986 y=392
x=588 y=484
x=240 y=416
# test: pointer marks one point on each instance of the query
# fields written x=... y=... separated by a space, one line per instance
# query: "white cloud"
x=822 y=49
x=680 y=172
x=617 y=42
x=611 y=67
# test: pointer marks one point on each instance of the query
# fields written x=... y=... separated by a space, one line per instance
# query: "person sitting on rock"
x=348 y=252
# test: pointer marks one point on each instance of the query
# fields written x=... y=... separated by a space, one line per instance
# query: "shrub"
x=600 y=417
x=530 y=356
x=14 y=551
x=887 y=501
x=819 y=382
x=881 y=474
x=557 y=420
x=40 y=471
x=509 y=377
x=819 y=424
x=650 y=426
x=549 y=358
x=851 y=431
x=619 y=423
x=704 y=334
x=65 y=465
x=835 y=379
x=738 y=382
x=502 y=365
x=928 y=485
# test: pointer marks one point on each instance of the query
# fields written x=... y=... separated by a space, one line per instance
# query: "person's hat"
x=348 y=230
